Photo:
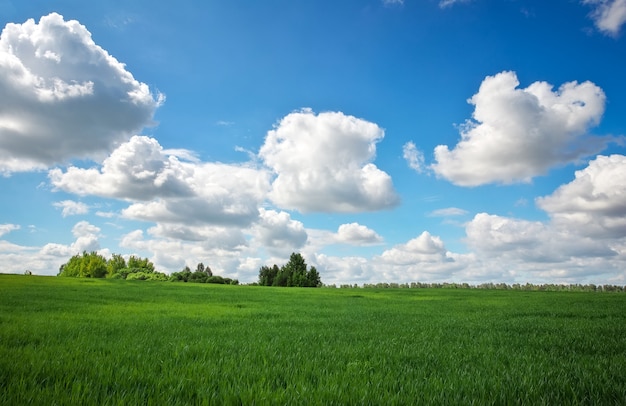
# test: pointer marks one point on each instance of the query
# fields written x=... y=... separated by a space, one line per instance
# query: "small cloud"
x=105 y=214
x=450 y=3
x=182 y=153
x=608 y=15
x=71 y=208
x=393 y=2
x=223 y=123
x=521 y=202
x=7 y=228
x=448 y=212
x=413 y=156
x=357 y=234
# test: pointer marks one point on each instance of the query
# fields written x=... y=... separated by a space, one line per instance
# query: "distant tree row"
x=495 y=286
x=202 y=274
x=293 y=273
x=94 y=265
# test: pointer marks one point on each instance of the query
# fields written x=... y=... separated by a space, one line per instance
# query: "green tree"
x=267 y=275
x=115 y=264
x=313 y=279
x=87 y=265
x=293 y=273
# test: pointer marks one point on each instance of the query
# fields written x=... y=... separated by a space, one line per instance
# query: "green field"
x=84 y=341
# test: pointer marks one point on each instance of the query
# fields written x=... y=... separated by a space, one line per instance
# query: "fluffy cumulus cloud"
x=63 y=96
x=423 y=258
x=279 y=233
x=608 y=15
x=357 y=234
x=71 y=208
x=424 y=248
x=540 y=252
x=87 y=239
x=517 y=134
x=164 y=188
x=594 y=203
x=584 y=239
x=323 y=163
x=46 y=260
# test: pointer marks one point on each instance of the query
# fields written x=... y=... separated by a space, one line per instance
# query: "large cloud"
x=63 y=96
x=517 y=134
x=279 y=233
x=324 y=164
x=594 y=203
x=608 y=15
x=584 y=240
x=166 y=189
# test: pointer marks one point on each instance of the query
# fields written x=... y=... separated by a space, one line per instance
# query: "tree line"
x=94 y=265
x=293 y=273
x=551 y=287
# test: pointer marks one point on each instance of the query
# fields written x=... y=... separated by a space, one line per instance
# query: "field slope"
x=71 y=341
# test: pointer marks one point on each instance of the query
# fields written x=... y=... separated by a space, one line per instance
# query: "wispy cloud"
x=448 y=212
x=450 y=3
x=71 y=208
x=608 y=15
x=413 y=156
x=7 y=228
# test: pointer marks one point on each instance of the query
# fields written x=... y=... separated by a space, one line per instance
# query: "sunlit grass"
x=71 y=341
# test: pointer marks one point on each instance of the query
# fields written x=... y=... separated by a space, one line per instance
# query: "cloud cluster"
x=164 y=188
x=594 y=203
x=63 y=96
x=517 y=134
x=584 y=239
x=278 y=233
x=608 y=15
x=323 y=163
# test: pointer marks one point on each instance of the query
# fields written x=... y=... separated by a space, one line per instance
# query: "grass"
x=80 y=341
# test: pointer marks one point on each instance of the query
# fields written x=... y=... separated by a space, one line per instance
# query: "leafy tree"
x=293 y=273
x=115 y=264
x=140 y=263
x=87 y=265
x=313 y=279
x=267 y=275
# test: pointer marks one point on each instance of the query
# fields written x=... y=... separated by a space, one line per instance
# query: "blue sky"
x=387 y=141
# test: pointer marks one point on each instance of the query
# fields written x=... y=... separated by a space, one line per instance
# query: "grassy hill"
x=86 y=341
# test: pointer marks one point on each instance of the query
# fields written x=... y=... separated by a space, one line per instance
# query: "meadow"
x=85 y=341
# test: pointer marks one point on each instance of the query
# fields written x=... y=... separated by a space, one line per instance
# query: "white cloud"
x=594 y=203
x=413 y=156
x=163 y=188
x=393 y=2
x=63 y=96
x=608 y=15
x=7 y=228
x=47 y=260
x=323 y=164
x=279 y=233
x=450 y=3
x=517 y=134
x=71 y=208
x=357 y=234
x=538 y=252
x=424 y=248
x=448 y=212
